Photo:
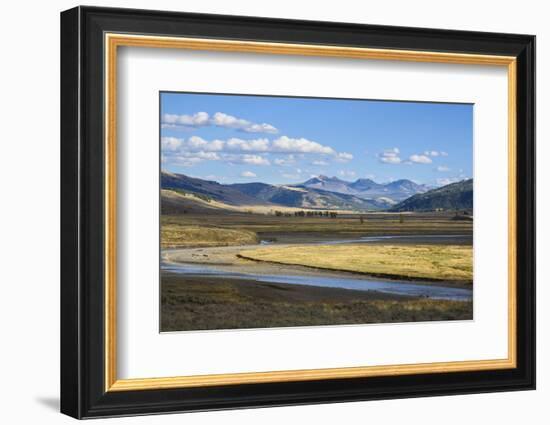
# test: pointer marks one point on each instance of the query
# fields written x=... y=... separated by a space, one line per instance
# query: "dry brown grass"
x=178 y=236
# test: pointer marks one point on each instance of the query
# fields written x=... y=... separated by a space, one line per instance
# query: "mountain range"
x=319 y=192
x=263 y=194
x=397 y=190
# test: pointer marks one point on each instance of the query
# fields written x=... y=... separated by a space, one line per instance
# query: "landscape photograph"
x=294 y=211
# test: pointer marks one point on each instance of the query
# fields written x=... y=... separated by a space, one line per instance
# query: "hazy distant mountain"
x=273 y=195
x=405 y=186
x=304 y=197
x=363 y=185
x=455 y=196
x=331 y=184
x=366 y=188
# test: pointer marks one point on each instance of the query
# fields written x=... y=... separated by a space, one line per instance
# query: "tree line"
x=331 y=214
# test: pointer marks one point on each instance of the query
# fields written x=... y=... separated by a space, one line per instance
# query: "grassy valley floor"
x=230 y=241
x=211 y=303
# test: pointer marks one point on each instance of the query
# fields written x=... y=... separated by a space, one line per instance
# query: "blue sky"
x=283 y=140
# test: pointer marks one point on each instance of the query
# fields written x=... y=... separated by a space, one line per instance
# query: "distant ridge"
x=454 y=196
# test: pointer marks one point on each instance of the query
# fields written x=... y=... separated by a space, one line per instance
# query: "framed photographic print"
x=261 y=212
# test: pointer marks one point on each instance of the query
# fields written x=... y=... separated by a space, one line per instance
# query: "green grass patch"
x=202 y=196
x=371 y=224
x=188 y=304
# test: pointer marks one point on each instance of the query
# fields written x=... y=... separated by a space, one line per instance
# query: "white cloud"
x=431 y=153
x=225 y=120
x=255 y=145
x=191 y=151
x=191 y=158
x=248 y=174
x=195 y=143
x=219 y=119
x=196 y=120
x=249 y=159
x=212 y=156
x=288 y=160
x=261 y=128
x=285 y=150
x=282 y=144
x=184 y=161
x=391 y=159
x=301 y=145
x=435 y=153
x=420 y=159
x=170 y=144
x=344 y=157
x=320 y=163
x=390 y=156
x=442 y=168
x=447 y=180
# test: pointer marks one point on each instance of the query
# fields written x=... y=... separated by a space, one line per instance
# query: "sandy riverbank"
x=228 y=258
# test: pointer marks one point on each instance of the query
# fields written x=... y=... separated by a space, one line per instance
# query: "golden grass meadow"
x=429 y=262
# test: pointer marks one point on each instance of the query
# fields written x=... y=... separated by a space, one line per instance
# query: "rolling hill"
x=206 y=188
x=455 y=196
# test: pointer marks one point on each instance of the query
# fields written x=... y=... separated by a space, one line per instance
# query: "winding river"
x=338 y=280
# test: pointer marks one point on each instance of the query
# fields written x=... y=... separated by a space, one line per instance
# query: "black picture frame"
x=83 y=392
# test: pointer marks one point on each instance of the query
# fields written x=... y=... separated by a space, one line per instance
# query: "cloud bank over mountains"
x=195 y=149
x=237 y=141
